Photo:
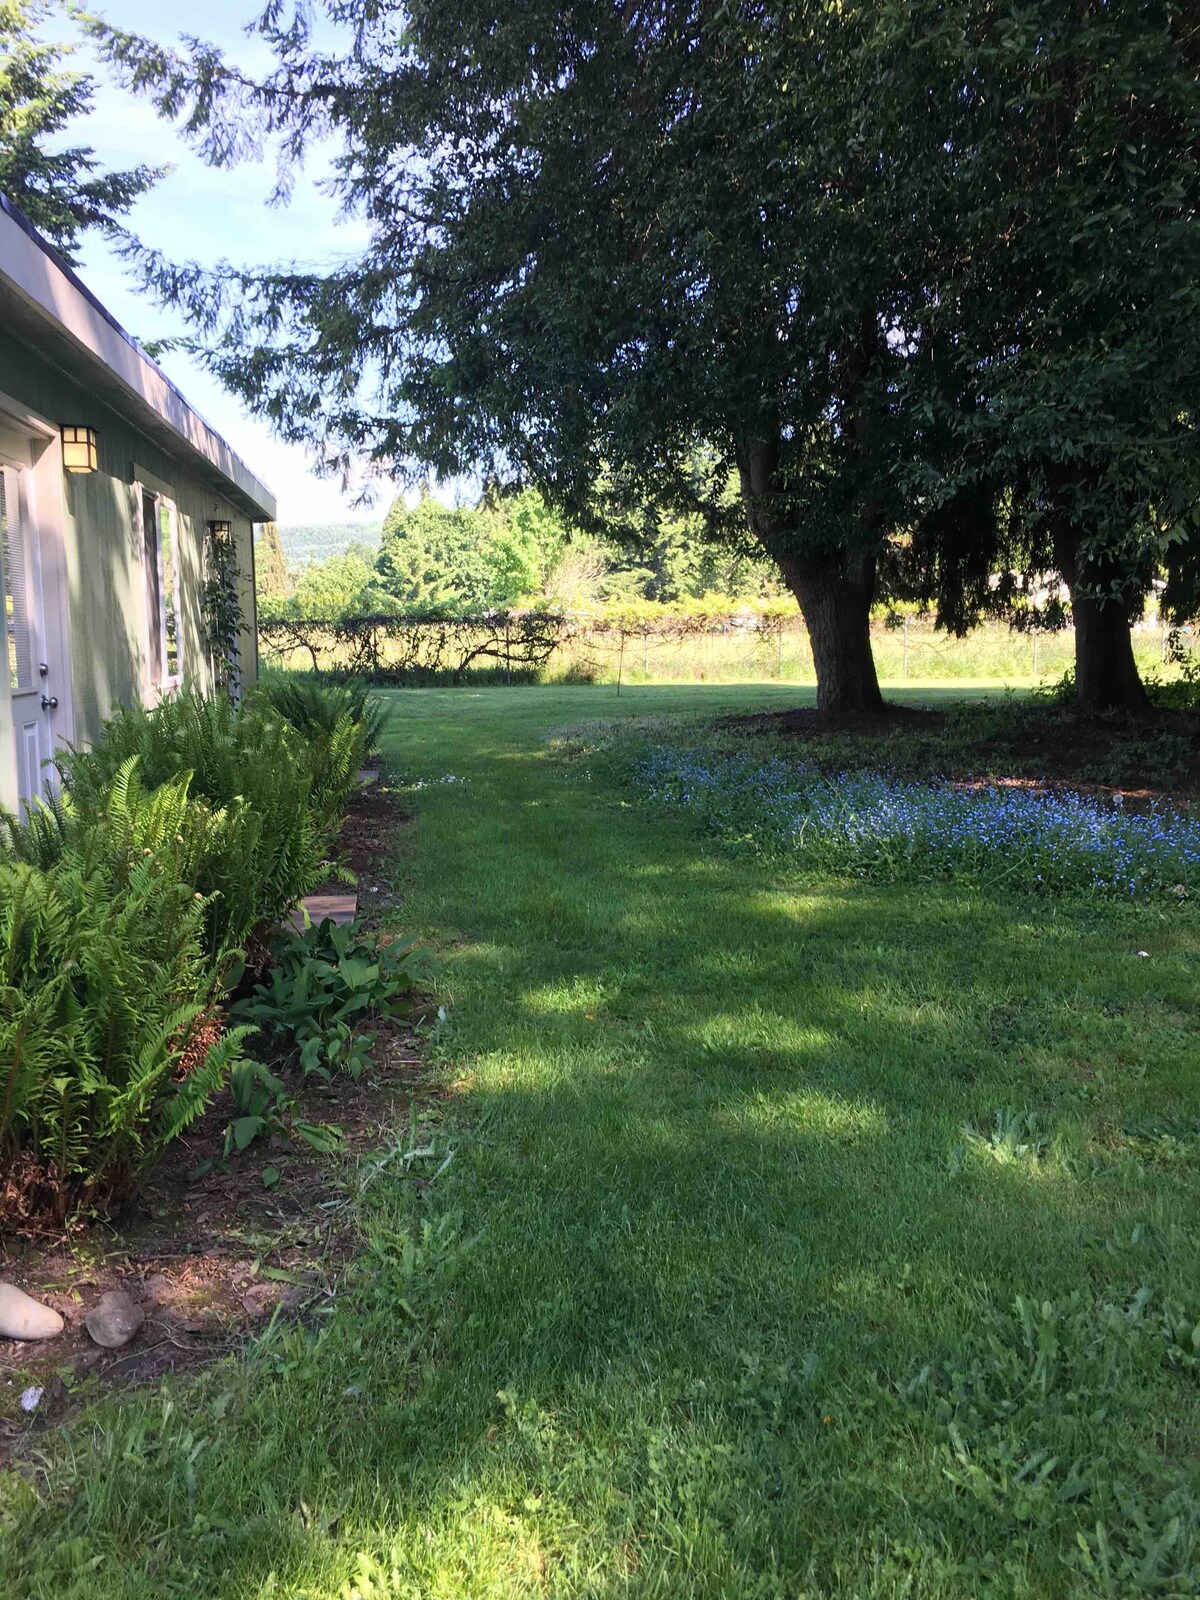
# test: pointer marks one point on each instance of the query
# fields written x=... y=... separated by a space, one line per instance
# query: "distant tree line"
x=305 y=542
x=508 y=550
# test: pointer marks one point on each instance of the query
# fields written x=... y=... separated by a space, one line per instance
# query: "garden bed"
x=211 y=1250
x=1155 y=754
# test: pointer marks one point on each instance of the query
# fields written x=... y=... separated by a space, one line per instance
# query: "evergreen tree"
x=1061 y=339
x=272 y=579
x=62 y=189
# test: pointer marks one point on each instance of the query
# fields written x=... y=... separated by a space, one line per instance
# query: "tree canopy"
x=907 y=270
x=1063 y=333
x=61 y=188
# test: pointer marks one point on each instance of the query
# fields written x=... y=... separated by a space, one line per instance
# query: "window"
x=14 y=586
x=167 y=567
x=160 y=561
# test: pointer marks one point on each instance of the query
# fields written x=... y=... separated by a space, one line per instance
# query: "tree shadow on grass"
x=727 y=1183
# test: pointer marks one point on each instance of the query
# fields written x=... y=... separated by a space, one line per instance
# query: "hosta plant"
x=325 y=984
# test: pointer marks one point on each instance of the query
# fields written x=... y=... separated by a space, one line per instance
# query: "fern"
x=314 y=708
x=189 y=1098
x=184 y=833
x=102 y=969
x=267 y=801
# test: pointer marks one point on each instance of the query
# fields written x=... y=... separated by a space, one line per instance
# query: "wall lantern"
x=220 y=530
x=79 y=449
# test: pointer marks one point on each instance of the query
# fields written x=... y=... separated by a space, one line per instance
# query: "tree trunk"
x=1106 y=675
x=837 y=612
x=835 y=592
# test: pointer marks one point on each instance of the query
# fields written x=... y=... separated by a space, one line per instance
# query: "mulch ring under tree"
x=1151 y=756
x=212 y=1250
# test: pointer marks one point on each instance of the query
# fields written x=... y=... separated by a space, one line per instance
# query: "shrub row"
x=128 y=904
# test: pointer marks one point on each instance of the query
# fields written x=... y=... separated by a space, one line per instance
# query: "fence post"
x=621 y=663
x=1035 y=652
x=779 y=661
x=507 y=654
x=905 y=647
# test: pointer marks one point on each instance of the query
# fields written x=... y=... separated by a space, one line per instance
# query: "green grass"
x=800 y=1238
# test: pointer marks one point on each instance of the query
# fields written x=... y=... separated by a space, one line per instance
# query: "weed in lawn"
x=1013 y=1409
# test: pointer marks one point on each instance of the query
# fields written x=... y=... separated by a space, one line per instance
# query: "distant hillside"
x=314 y=541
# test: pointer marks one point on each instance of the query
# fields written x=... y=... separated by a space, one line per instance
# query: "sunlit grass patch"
x=721 y=1294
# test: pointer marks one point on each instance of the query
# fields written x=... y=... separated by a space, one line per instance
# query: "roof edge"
x=49 y=285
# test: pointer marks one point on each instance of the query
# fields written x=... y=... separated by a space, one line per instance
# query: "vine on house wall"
x=221 y=609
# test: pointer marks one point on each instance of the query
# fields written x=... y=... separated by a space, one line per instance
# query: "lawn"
x=796 y=1238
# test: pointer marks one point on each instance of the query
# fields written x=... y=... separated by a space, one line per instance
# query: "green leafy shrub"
x=278 y=798
x=262 y=1106
x=324 y=985
x=315 y=707
x=110 y=1042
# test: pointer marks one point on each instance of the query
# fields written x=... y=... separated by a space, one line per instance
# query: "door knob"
x=49 y=702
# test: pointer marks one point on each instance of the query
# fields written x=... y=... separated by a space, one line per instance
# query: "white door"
x=34 y=661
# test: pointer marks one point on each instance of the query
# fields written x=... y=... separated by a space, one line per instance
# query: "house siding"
x=107 y=623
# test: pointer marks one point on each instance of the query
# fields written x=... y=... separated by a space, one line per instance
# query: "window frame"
x=168 y=682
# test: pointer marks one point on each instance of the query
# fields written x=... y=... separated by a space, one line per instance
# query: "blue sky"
x=204 y=214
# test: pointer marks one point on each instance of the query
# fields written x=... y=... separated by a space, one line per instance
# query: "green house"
x=120 y=510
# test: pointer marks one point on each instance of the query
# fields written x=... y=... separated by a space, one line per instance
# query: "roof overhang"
x=44 y=303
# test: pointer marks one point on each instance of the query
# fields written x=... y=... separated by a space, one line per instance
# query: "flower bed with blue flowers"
x=871 y=825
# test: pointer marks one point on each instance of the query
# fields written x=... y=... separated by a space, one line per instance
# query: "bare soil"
x=1151 y=756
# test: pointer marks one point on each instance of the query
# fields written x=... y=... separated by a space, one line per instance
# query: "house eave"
x=43 y=303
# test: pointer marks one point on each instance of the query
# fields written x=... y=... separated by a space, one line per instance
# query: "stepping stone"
x=367 y=776
x=339 y=908
x=23 y=1317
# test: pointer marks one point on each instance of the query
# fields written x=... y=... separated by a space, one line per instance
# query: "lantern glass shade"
x=79 y=448
x=220 y=530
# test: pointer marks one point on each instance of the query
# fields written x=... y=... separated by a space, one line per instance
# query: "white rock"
x=22 y=1317
x=114 y=1319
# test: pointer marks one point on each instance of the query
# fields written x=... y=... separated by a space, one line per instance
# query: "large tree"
x=604 y=240
x=853 y=253
x=60 y=187
x=1061 y=337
